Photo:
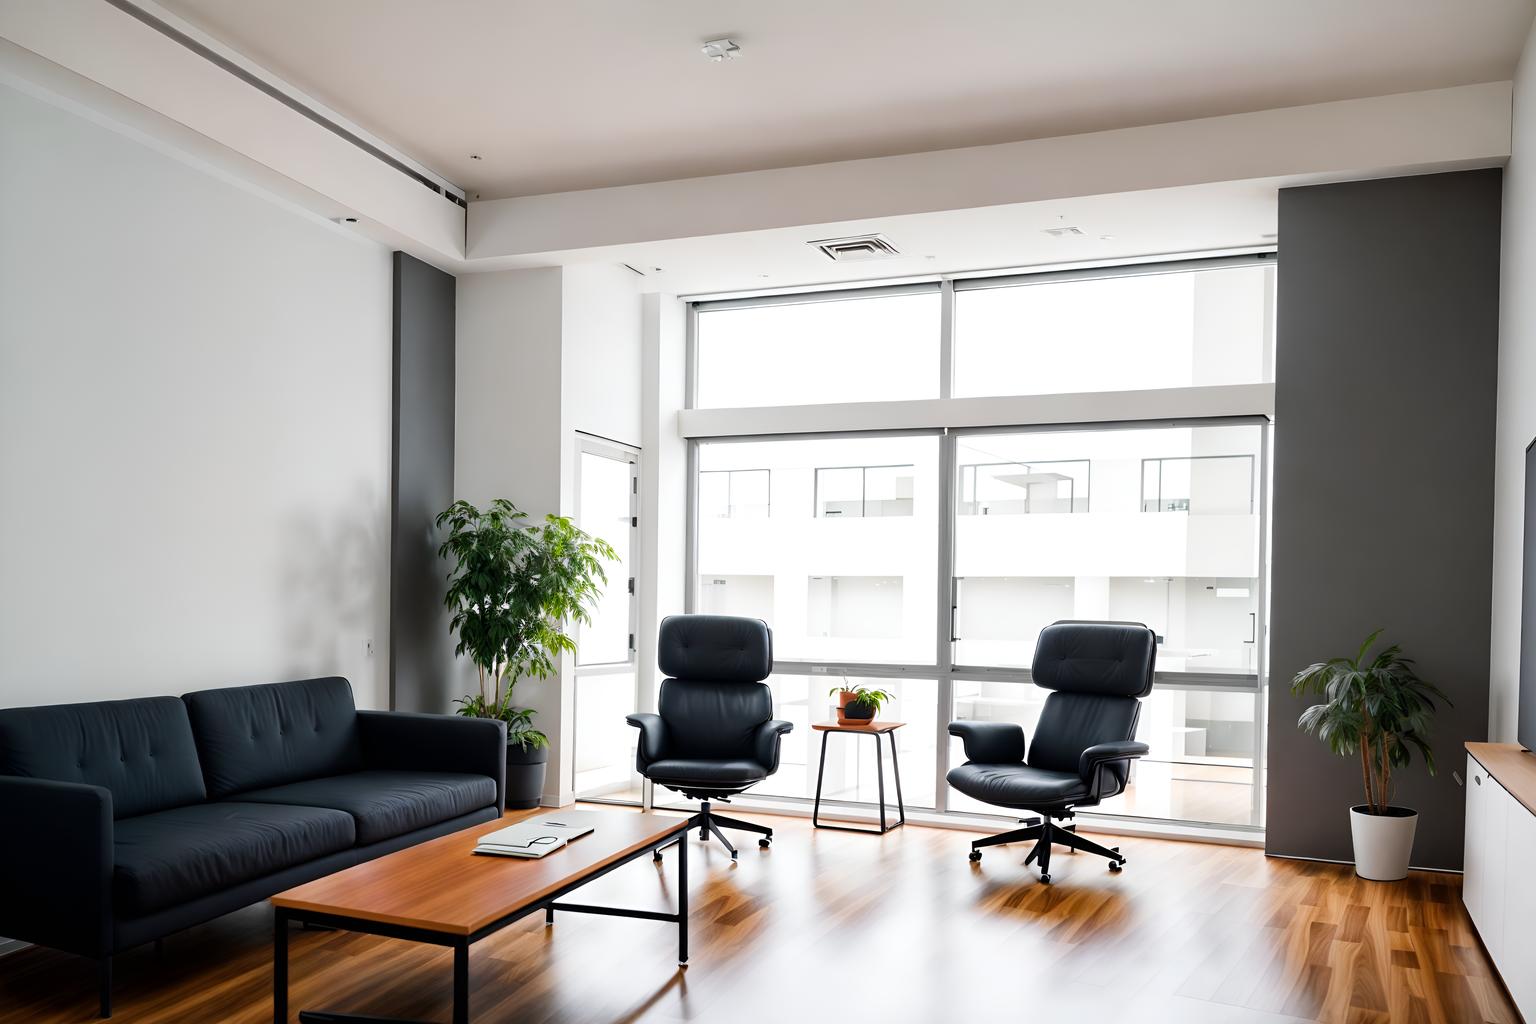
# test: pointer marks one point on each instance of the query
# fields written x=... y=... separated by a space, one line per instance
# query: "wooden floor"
x=829 y=926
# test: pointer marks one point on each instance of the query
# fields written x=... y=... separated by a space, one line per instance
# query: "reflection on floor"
x=828 y=926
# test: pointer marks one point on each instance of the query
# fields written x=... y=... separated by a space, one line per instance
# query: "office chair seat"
x=704 y=772
x=1018 y=785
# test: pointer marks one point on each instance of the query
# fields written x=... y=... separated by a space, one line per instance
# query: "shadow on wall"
x=335 y=582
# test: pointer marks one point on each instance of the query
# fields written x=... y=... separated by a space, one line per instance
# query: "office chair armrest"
x=990 y=742
x=766 y=743
x=653 y=737
x=1102 y=754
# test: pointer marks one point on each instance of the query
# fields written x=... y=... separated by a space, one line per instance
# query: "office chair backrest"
x=1097 y=670
x=714 y=697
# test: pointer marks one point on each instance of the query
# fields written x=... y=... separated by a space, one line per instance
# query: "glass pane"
x=850 y=773
x=845 y=350
x=1018 y=488
x=840 y=492
x=1115 y=334
x=835 y=588
x=1200 y=767
x=888 y=491
x=714 y=495
x=604 y=511
x=751 y=494
x=605 y=743
x=1170 y=538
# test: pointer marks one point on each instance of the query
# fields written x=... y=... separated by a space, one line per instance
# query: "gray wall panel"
x=420 y=646
x=1383 y=477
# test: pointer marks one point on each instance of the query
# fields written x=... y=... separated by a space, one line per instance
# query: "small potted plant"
x=1379 y=710
x=858 y=704
x=514 y=590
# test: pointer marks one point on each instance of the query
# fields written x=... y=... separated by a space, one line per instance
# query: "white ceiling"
x=557 y=95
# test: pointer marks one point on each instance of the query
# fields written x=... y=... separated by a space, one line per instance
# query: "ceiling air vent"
x=859 y=247
x=1066 y=232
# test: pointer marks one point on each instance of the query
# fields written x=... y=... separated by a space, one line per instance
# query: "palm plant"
x=514 y=590
x=1376 y=708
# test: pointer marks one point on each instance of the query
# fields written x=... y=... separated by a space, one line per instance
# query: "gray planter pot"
x=525 y=776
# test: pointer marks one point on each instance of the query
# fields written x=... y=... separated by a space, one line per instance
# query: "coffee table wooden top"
x=873 y=725
x=441 y=886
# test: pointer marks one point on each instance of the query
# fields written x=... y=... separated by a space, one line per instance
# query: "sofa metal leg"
x=104 y=980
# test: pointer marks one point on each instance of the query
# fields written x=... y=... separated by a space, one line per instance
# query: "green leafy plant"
x=864 y=696
x=514 y=590
x=1376 y=708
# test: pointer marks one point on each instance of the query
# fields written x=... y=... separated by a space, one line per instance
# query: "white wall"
x=194 y=426
x=541 y=355
x=1516 y=402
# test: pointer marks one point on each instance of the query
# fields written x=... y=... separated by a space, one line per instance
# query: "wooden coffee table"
x=441 y=893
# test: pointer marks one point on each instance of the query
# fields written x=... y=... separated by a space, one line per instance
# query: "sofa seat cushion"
x=706 y=771
x=170 y=857
x=385 y=804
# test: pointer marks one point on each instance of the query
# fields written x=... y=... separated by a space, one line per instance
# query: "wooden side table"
x=876 y=729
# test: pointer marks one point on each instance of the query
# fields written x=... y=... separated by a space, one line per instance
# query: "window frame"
x=949 y=419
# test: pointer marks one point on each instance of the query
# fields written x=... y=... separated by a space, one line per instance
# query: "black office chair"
x=716 y=735
x=1084 y=742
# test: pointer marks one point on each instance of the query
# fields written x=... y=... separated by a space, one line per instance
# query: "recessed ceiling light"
x=719 y=50
x=1063 y=232
x=1106 y=238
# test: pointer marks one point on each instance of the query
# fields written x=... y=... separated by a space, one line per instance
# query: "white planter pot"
x=1383 y=842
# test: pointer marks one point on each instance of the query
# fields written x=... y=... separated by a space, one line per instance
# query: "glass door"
x=607 y=506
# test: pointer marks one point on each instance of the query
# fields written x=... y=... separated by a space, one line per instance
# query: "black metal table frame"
x=460 y=943
x=821 y=770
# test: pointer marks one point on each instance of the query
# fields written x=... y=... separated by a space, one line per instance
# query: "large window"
x=928 y=561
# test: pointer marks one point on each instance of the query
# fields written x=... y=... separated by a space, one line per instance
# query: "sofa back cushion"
x=251 y=737
x=142 y=750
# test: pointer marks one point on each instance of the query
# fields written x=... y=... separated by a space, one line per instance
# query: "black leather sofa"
x=128 y=820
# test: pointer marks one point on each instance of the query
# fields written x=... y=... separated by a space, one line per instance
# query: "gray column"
x=420 y=646
x=1386 y=360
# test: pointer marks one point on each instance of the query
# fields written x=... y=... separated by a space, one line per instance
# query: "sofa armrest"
x=653 y=738
x=56 y=864
x=1113 y=757
x=990 y=742
x=411 y=741
x=767 y=740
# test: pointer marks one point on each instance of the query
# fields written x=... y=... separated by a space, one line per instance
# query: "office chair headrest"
x=718 y=648
x=1105 y=658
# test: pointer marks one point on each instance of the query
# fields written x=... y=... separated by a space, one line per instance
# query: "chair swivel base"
x=708 y=822
x=1047 y=833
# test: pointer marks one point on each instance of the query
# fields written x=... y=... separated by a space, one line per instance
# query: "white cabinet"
x=1499 y=888
x=1486 y=855
x=1517 y=957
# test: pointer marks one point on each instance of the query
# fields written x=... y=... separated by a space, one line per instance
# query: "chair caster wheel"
x=975 y=855
x=765 y=843
x=1046 y=879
